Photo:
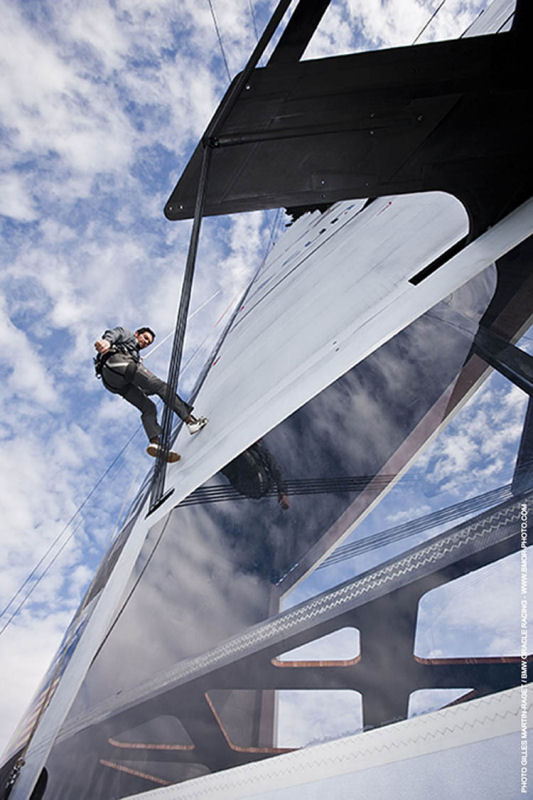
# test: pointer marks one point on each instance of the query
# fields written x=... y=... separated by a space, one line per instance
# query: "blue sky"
x=102 y=104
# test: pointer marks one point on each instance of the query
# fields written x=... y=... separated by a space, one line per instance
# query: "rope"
x=419 y=525
x=504 y=23
x=219 y=40
x=158 y=483
x=115 y=530
x=252 y=14
x=191 y=316
x=87 y=498
x=229 y=325
x=57 y=539
x=57 y=672
x=428 y=23
x=464 y=33
x=343 y=485
x=273 y=231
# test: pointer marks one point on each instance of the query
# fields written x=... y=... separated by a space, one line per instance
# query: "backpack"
x=248 y=475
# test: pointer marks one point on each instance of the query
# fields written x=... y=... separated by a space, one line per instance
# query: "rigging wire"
x=300 y=484
x=58 y=538
x=273 y=232
x=505 y=22
x=160 y=536
x=464 y=33
x=207 y=145
x=196 y=311
x=428 y=23
x=219 y=39
x=254 y=22
x=140 y=497
x=115 y=530
x=492 y=498
x=342 y=485
x=419 y=525
x=223 y=493
x=58 y=669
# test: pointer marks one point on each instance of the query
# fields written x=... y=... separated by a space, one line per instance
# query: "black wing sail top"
x=453 y=116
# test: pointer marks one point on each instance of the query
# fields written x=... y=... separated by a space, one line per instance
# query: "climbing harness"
x=100 y=361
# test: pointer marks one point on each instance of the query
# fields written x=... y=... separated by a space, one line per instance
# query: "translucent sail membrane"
x=204 y=665
x=226 y=545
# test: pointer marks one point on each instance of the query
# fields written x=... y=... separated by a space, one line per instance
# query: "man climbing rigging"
x=120 y=366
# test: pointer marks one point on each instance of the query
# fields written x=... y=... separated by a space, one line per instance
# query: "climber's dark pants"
x=132 y=381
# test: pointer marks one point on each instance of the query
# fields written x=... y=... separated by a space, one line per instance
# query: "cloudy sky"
x=102 y=104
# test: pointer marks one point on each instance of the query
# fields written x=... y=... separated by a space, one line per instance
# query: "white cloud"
x=27 y=375
x=475 y=615
x=341 y=645
x=97 y=27
x=15 y=198
x=464 y=452
x=52 y=106
x=309 y=717
x=351 y=25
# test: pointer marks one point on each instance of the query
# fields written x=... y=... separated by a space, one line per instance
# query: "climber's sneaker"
x=197 y=424
x=154 y=449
